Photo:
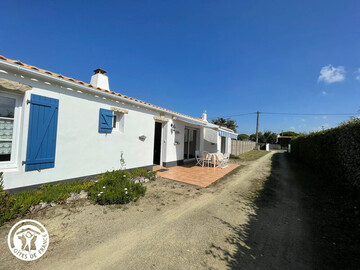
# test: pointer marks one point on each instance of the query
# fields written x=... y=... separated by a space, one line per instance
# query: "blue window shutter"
x=41 y=143
x=105 y=121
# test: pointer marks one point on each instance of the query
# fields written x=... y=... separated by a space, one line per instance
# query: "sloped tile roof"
x=89 y=85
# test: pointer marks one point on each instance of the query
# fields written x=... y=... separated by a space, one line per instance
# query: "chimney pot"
x=99 y=79
x=99 y=70
x=204 y=116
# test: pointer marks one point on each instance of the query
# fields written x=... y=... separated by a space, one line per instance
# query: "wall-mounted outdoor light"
x=142 y=137
x=173 y=128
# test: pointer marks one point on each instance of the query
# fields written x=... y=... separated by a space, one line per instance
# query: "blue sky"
x=228 y=57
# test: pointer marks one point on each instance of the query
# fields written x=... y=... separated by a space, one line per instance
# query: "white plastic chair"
x=206 y=158
x=199 y=161
x=224 y=161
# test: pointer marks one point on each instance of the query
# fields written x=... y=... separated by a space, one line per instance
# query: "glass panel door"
x=190 y=142
x=186 y=143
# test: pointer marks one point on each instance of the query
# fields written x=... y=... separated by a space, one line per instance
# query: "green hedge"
x=335 y=153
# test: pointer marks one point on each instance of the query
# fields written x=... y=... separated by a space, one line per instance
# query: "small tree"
x=229 y=123
x=289 y=133
x=243 y=137
x=266 y=137
x=270 y=137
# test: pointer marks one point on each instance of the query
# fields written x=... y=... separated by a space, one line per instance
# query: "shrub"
x=143 y=172
x=116 y=188
x=119 y=189
x=334 y=152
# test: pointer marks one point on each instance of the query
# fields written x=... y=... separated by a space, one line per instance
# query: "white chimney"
x=204 y=116
x=99 y=79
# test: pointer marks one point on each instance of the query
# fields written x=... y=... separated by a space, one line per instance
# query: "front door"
x=190 y=142
x=157 y=143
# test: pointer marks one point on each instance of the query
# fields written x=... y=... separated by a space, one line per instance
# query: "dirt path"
x=178 y=226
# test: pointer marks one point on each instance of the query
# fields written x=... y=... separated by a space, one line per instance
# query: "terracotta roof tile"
x=83 y=83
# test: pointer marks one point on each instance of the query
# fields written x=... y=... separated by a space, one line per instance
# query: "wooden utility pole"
x=257 y=128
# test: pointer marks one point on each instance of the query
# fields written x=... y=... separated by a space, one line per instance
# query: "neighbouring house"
x=55 y=128
x=284 y=141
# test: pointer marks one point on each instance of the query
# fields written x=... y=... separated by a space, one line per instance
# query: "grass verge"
x=250 y=156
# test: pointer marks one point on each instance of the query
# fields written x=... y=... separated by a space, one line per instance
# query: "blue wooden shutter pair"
x=42 y=131
x=105 y=121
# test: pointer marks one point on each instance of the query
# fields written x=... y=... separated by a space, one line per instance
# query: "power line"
x=288 y=113
x=348 y=114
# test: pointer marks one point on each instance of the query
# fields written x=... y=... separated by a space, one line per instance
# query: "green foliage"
x=143 y=172
x=118 y=189
x=229 y=123
x=266 y=137
x=243 y=137
x=289 y=133
x=333 y=152
x=269 y=137
x=249 y=156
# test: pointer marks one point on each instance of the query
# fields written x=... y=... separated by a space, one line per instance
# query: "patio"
x=194 y=175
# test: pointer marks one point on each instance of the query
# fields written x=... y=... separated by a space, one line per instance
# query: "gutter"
x=48 y=77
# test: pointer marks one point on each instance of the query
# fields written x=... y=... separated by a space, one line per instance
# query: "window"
x=118 y=122
x=7 y=116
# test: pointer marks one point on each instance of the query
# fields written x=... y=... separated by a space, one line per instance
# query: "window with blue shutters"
x=41 y=143
x=105 y=121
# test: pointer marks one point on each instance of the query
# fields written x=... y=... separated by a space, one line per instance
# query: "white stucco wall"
x=176 y=152
x=80 y=149
x=210 y=140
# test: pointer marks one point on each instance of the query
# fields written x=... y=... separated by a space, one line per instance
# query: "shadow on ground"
x=291 y=227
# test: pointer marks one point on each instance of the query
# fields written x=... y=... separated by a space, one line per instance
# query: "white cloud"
x=330 y=74
x=292 y=128
x=324 y=93
x=358 y=74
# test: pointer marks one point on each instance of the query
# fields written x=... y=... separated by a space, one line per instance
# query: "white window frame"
x=14 y=156
x=120 y=122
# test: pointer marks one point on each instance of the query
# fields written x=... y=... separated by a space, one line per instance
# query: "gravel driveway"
x=179 y=226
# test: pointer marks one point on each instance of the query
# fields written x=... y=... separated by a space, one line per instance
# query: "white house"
x=55 y=128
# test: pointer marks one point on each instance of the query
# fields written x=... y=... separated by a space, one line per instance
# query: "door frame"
x=161 y=142
x=196 y=142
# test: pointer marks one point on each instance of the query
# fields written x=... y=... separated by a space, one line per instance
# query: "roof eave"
x=15 y=67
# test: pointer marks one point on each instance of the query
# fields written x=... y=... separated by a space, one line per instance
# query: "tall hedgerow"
x=335 y=153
